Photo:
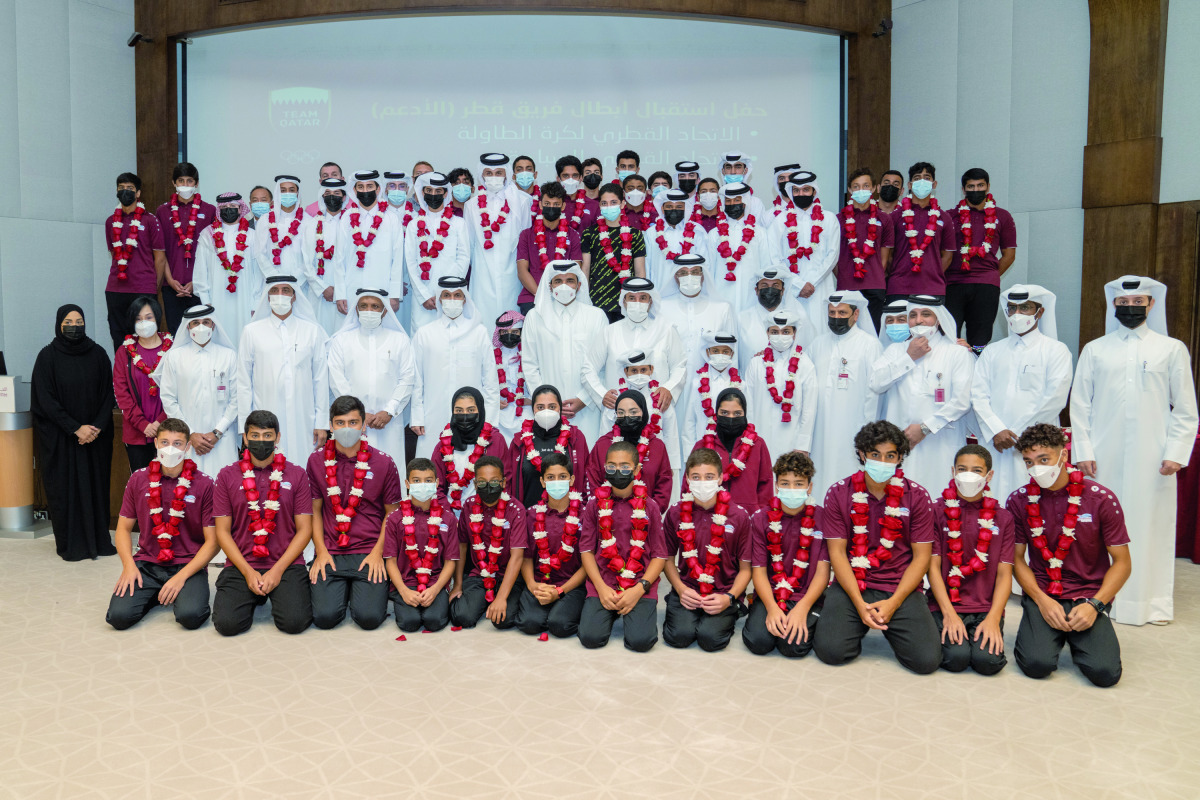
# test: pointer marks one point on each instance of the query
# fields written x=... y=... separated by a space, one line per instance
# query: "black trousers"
x=140 y=455
x=641 y=625
x=411 y=619
x=349 y=587
x=684 y=626
x=876 y=300
x=173 y=307
x=1095 y=651
x=760 y=641
x=560 y=618
x=957 y=657
x=974 y=305
x=234 y=603
x=118 y=315
x=190 y=606
x=469 y=607
x=911 y=631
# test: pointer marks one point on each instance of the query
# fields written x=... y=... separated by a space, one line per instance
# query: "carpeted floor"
x=160 y=712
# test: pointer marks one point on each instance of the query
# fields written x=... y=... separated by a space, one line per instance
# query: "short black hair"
x=135 y=308
x=419 y=465
x=921 y=166
x=974 y=450
x=630 y=154
x=265 y=189
x=554 y=189
x=524 y=158
x=185 y=169
x=489 y=461
x=459 y=172
x=330 y=164
x=703 y=181
x=567 y=161
x=634 y=177
x=130 y=177
x=660 y=174
x=346 y=404
x=611 y=188
x=880 y=432
x=621 y=446
x=1043 y=434
x=976 y=174
x=796 y=463
x=895 y=172
x=261 y=418
x=592 y=162
x=858 y=173
x=557 y=460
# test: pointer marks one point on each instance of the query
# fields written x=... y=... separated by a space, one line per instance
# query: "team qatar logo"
x=300 y=107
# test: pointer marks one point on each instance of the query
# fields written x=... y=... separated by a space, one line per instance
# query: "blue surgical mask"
x=397 y=196
x=461 y=192
x=880 y=471
x=422 y=492
x=260 y=208
x=288 y=199
x=558 y=489
x=922 y=188
x=733 y=178
x=657 y=190
x=610 y=213
x=792 y=498
x=524 y=179
x=861 y=196
x=898 y=332
x=622 y=174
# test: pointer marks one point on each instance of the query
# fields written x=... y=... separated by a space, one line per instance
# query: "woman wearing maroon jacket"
x=137 y=393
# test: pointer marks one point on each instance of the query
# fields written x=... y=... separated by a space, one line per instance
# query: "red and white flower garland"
x=186 y=238
x=630 y=568
x=734 y=257
x=704 y=574
x=562 y=241
x=486 y=224
x=891 y=527
x=487 y=553
x=456 y=483
x=509 y=396
x=343 y=515
x=323 y=254
x=783 y=582
x=987 y=531
x=705 y=389
x=273 y=230
x=547 y=562
x=131 y=347
x=431 y=250
x=165 y=532
x=123 y=250
x=531 y=452
x=1037 y=528
x=578 y=205
x=647 y=213
x=624 y=266
x=262 y=518
x=685 y=244
x=784 y=400
x=232 y=266
x=361 y=243
x=741 y=450
x=916 y=253
x=990 y=231
x=850 y=231
x=796 y=250
x=421 y=559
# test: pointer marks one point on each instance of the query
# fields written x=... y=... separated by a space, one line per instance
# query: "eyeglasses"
x=481 y=485
x=624 y=472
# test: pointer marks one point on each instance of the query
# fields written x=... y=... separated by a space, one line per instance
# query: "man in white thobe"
x=718 y=371
x=807 y=239
x=370 y=247
x=280 y=243
x=674 y=233
x=742 y=249
x=783 y=196
x=504 y=208
x=318 y=244
x=371 y=358
x=231 y=265
x=785 y=425
x=515 y=403
x=644 y=328
x=281 y=368
x=436 y=246
x=773 y=295
x=1133 y=424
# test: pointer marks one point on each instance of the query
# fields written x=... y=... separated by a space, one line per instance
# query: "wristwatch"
x=645 y=585
x=217 y=434
x=925 y=429
x=732 y=599
x=1097 y=604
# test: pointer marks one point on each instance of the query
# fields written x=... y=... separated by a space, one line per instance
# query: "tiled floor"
x=160 y=712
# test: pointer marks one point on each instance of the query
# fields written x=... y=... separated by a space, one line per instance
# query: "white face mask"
x=708 y=200
x=921 y=330
x=452 y=308
x=494 y=183
x=690 y=285
x=1021 y=323
x=145 y=328
x=704 y=490
x=781 y=341
x=370 y=320
x=170 y=457
x=281 y=304
x=564 y=294
x=720 y=361
x=969 y=483
x=637 y=312
x=422 y=492
x=635 y=198
x=1044 y=474
x=547 y=418
x=200 y=334
x=185 y=192
x=570 y=185
x=638 y=382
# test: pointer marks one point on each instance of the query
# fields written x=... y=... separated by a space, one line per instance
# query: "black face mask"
x=731 y=426
x=488 y=494
x=804 y=200
x=73 y=332
x=687 y=185
x=618 y=480
x=977 y=197
x=333 y=202
x=510 y=339
x=591 y=180
x=230 y=215
x=366 y=199
x=673 y=216
x=464 y=423
x=769 y=297
x=783 y=188
x=889 y=193
x=1131 y=316
x=630 y=426
x=126 y=197
x=260 y=448
x=551 y=213
x=735 y=211
x=434 y=201
x=839 y=325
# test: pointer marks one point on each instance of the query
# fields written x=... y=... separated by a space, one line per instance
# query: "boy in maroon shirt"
x=491 y=541
x=183 y=240
x=553 y=571
x=919 y=262
x=789 y=564
x=624 y=551
x=347 y=568
x=418 y=544
x=970 y=575
x=580 y=210
x=868 y=238
x=1070 y=581
x=263 y=507
x=172 y=503
x=135 y=242
x=706 y=587
x=559 y=238
x=879 y=531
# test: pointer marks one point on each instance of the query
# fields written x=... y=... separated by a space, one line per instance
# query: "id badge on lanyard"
x=222 y=388
x=939 y=394
x=843 y=378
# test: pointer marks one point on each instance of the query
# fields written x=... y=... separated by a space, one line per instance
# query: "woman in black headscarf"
x=72 y=413
x=539 y=437
x=454 y=456
x=632 y=417
x=745 y=459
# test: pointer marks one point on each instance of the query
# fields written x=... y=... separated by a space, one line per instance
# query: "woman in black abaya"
x=72 y=411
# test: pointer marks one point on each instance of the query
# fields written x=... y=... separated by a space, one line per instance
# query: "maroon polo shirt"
x=916 y=515
x=977 y=589
x=735 y=550
x=393 y=541
x=527 y=250
x=1101 y=524
x=790 y=529
x=984 y=269
x=181 y=268
x=885 y=236
x=517 y=535
x=295 y=499
x=755 y=486
x=930 y=280
x=588 y=217
x=708 y=223
x=643 y=220
x=656 y=472
x=622 y=516
x=140 y=276
x=197 y=515
x=555 y=522
x=381 y=487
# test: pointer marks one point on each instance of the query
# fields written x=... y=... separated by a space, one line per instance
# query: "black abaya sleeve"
x=104 y=417
x=44 y=400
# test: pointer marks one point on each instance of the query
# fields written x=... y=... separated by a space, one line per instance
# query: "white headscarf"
x=779 y=171
x=646 y=285
x=508 y=181
x=184 y=339
x=856 y=299
x=301 y=308
x=352 y=322
x=1130 y=285
x=276 y=205
x=793 y=187
x=1037 y=294
x=469 y=312
x=712 y=339
x=666 y=197
x=778 y=271
x=670 y=287
x=684 y=167
x=938 y=307
x=431 y=179
x=735 y=157
x=890 y=310
x=637 y=357
x=545 y=298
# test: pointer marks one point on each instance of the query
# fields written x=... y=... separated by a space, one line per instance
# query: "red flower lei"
x=850 y=231
x=987 y=529
x=649 y=430
x=577 y=207
x=343 y=515
x=456 y=483
x=1033 y=516
x=561 y=241
x=784 y=401
x=135 y=358
x=422 y=564
x=623 y=268
x=531 y=453
x=627 y=569
x=234 y=266
x=907 y=216
x=432 y=250
x=509 y=395
x=990 y=231
x=262 y=523
x=487 y=554
x=165 y=532
x=793 y=237
x=361 y=243
x=890 y=527
x=785 y=584
x=186 y=240
x=737 y=459
x=547 y=563
x=734 y=257
x=703 y=574
x=685 y=244
x=323 y=254
x=486 y=225
x=705 y=389
x=273 y=229
x=123 y=250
